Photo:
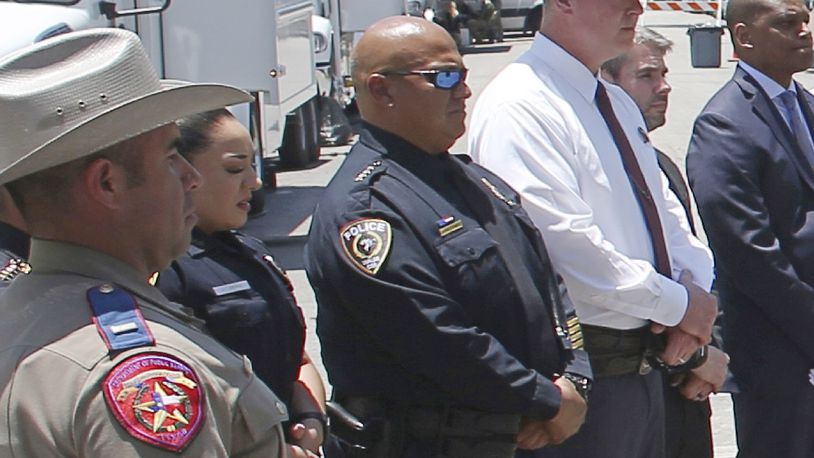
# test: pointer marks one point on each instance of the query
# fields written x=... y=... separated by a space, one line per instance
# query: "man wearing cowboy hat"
x=93 y=360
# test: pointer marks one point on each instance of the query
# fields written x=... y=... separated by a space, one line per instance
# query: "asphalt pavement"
x=284 y=225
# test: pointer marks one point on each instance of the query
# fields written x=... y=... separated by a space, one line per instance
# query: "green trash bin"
x=705 y=45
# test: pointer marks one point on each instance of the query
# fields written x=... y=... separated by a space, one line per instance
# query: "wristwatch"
x=582 y=384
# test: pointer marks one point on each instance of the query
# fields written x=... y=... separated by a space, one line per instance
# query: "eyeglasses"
x=441 y=79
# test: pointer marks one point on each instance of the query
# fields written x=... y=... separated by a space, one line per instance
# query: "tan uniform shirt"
x=53 y=363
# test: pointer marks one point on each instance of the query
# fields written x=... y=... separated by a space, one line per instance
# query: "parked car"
x=520 y=15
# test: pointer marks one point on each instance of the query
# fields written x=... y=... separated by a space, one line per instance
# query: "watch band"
x=581 y=383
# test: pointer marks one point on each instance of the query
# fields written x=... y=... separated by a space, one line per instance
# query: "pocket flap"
x=261 y=419
x=464 y=246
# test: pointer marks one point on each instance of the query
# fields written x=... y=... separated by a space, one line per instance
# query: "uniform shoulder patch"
x=367 y=243
x=157 y=398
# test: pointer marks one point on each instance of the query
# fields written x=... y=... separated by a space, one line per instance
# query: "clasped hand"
x=538 y=433
x=695 y=328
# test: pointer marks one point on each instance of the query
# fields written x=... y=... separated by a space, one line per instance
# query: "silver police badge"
x=367 y=243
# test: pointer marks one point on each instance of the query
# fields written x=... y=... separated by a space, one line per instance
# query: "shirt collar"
x=55 y=256
x=567 y=67
x=385 y=141
x=203 y=243
x=395 y=148
x=772 y=88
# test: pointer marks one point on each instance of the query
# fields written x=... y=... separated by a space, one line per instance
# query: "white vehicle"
x=521 y=15
x=515 y=15
x=335 y=34
x=263 y=46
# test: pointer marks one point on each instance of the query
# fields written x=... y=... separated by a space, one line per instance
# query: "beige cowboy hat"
x=78 y=93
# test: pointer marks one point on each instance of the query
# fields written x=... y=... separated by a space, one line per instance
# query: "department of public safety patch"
x=156 y=398
x=367 y=243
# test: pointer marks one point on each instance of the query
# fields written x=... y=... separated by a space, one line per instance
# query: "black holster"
x=369 y=428
x=362 y=428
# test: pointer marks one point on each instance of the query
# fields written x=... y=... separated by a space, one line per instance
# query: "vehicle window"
x=53 y=2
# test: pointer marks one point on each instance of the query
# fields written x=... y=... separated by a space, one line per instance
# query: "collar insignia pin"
x=644 y=136
x=497 y=193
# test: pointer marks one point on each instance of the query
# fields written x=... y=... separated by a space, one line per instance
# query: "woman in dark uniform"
x=231 y=281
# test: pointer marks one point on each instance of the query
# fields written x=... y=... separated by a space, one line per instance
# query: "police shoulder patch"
x=367 y=243
x=157 y=398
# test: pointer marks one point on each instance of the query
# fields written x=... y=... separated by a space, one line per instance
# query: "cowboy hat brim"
x=123 y=121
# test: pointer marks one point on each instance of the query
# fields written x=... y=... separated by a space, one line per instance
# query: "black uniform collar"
x=14 y=240
x=391 y=146
x=203 y=242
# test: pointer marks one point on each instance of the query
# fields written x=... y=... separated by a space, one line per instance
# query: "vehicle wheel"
x=301 y=137
x=268 y=174
x=533 y=20
x=334 y=126
x=258 y=202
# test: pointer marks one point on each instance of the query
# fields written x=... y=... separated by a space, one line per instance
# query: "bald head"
x=772 y=36
x=394 y=44
x=745 y=11
x=396 y=69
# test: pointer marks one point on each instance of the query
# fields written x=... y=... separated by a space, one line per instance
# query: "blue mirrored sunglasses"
x=442 y=79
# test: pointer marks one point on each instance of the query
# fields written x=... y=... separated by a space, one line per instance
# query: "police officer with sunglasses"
x=445 y=330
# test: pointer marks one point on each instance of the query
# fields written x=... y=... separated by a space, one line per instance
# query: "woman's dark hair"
x=195 y=130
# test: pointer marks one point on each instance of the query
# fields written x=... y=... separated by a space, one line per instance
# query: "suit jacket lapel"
x=805 y=104
x=766 y=110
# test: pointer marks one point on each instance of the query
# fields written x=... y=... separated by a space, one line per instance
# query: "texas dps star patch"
x=367 y=243
x=157 y=398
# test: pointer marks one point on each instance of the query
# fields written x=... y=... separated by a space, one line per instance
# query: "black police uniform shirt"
x=231 y=281
x=415 y=304
x=14 y=248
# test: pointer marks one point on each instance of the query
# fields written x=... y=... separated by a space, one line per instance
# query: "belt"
x=617 y=351
x=454 y=432
x=426 y=422
x=460 y=432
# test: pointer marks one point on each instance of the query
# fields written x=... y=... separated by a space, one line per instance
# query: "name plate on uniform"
x=230 y=288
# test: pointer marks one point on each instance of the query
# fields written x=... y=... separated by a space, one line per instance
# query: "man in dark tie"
x=751 y=168
x=576 y=148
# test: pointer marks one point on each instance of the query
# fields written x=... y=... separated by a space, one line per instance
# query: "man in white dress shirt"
x=576 y=148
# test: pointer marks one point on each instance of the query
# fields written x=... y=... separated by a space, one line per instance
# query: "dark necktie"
x=796 y=124
x=634 y=173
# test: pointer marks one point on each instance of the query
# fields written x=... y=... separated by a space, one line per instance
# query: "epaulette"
x=118 y=318
x=367 y=171
x=13 y=268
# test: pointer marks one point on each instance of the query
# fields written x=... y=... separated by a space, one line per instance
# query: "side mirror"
x=109 y=10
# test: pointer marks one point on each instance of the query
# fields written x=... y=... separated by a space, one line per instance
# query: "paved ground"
x=286 y=220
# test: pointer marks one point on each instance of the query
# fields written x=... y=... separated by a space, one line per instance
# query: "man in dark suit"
x=751 y=167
